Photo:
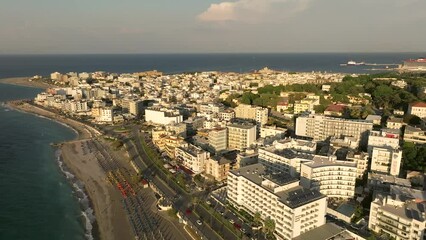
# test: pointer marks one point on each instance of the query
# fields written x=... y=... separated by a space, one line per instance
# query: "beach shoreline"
x=87 y=178
x=24 y=82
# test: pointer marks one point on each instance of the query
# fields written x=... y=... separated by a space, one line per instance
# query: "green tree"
x=257 y=218
x=412 y=119
x=269 y=227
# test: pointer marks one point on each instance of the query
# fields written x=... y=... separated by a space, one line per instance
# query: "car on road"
x=199 y=222
x=231 y=221
x=243 y=230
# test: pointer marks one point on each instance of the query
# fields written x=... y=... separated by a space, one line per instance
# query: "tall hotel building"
x=241 y=135
x=320 y=127
x=329 y=176
x=294 y=209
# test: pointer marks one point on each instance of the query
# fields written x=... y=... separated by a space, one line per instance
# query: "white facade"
x=192 y=157
x=241 y=136
x=320 y=127
x=401 y=220
x=388 y=138
x=386 y=160
x=287 y=155
x=267 y=131
x=162 y=116
x=329 y=176
x=106 y=115
x=218 y=139
x=418 y=109
x=259 y=114
x=294 y=209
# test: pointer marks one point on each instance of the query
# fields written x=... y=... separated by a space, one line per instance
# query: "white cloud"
x=253 y=10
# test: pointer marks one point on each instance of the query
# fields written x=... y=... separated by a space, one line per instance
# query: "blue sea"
x=38 y=201
x=29 y=65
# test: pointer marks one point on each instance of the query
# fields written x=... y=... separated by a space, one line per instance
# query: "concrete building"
x=162 y=116
x=218 y=139
x=414 y=134
x=192 y=157
x=361 y=160
x=245 y=158
x=398 y=216
x=306 y=104
x=106 y=115
x=386 y=160
x=135 y=107
x=259 y=114
x=272 y=131
x=418 y=109
x=386 y=138
x=294 y=209
x=329 y=176
x=217 y=168
x=320 y=127
x=394 y=123
x=241 y=135
x=227 y=115
x=287 y=156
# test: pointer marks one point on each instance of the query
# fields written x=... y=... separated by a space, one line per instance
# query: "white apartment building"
x=320 y=127
x=162 y=116
x=418 y=109
x=217 y=168
x=415 y=135
x=386 y=160
x=259 y=114
x=106 y=115
x=227 y=115
x=388 y=138
x=286 y=160
x=192 y=157
x=398 y=216
x=218 y=139
x=241 y=136
x=272 y=131
x=306 y=104
x=74 y=106
x=294 y=209
x=361 y=160
x=329 y=176
x=135 y=107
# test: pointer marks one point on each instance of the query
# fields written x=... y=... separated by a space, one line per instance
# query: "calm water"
x=37 y=202
x=29 y=65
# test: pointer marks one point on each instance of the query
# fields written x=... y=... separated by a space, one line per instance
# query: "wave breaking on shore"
x=87 y=214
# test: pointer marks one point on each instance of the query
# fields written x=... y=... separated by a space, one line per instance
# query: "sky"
x=206 y=26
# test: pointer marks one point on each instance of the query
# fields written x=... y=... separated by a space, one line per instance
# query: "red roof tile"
x=335 y=108
x=418 y=104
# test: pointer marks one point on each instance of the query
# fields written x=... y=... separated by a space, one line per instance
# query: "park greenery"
x=376 y=89
x=414 y=156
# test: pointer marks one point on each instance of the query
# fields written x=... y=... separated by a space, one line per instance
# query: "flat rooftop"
x=323 y=161
x=293 y=197
x=324 y=232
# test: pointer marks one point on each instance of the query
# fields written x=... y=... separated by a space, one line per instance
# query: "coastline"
x=24 y=82
x=96 y=195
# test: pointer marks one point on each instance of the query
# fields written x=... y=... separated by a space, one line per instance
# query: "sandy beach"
x=24 y=81
x=111 y=219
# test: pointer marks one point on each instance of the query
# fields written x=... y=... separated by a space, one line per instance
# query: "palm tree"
x=268 y=227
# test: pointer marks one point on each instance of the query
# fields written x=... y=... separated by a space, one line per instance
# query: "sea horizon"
x=28 y=65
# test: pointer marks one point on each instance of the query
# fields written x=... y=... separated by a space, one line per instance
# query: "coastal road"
x=181 y=200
